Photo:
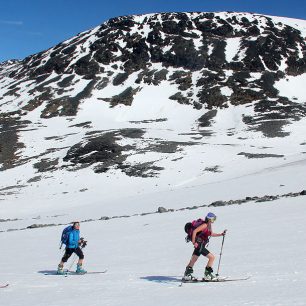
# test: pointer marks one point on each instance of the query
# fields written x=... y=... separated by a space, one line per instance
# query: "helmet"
x=211 y=217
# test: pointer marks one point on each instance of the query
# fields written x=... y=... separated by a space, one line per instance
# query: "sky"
x=28 y=27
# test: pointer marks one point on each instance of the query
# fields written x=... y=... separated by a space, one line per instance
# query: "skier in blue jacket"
x=73 y=246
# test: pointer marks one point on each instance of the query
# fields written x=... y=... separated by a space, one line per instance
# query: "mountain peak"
x=152 y=45
x=175 y=71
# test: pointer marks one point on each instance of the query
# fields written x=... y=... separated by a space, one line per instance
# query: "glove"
x=224 y=232
x=84 y=243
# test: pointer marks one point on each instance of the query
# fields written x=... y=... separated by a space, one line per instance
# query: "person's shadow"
x=48 y=272
x=162 y=279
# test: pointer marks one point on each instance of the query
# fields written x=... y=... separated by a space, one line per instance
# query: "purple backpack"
x=191 y=226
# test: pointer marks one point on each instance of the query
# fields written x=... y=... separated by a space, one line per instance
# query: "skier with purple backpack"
x=198 y=232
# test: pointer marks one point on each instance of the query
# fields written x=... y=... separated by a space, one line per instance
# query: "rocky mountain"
x=137 y=91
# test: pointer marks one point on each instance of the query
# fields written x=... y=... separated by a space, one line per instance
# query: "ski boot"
x=188 y=274
x=60 y=270
x=80 y=269
x=208 y=274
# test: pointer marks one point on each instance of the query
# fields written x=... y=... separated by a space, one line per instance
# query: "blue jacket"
x=74 y=237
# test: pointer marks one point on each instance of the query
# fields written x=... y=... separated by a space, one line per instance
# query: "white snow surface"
x=292 y=87
x=145 y=257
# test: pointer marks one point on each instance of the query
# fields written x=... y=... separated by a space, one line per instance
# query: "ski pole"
x=84 y=243
x=181 y=284
x=73 y=261
x=220 y=255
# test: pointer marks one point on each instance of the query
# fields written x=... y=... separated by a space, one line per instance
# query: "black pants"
x=201 y=250
x=69 y=252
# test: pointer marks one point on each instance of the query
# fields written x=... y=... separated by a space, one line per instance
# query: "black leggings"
x=69 y=252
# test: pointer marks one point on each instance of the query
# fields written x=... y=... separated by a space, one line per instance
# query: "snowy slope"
x=145 y=257
x=231 y=153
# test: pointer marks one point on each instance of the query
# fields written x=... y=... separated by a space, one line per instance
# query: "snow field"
x=145 y=257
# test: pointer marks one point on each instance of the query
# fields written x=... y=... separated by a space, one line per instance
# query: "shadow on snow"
x=162 y=279
x=48 y=272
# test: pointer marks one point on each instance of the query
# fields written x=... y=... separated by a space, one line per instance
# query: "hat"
x=211 y=217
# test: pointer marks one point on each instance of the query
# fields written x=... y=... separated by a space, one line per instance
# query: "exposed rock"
x=271 y=116
x=162 y=210
x=104 y=218
x=132 y=133
x=205 y=120
x=179 y=98
x=8 y=220
x=214 y=169
x=267 y=198
x=66 y=81
x=255 y=155
x=67 y=106
x=40 y=225
x=35 y=179
x=96 y=149
x=46 y=165
x=9 y=142
x=182 y=78
x=147 y=169
x=120 y=78
x=125 y=97
x=217 y=203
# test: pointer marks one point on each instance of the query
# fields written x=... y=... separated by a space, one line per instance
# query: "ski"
x=89 y=272
x=217 y=280
x=66 y=273
x=4 y=286
x=236 y=279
